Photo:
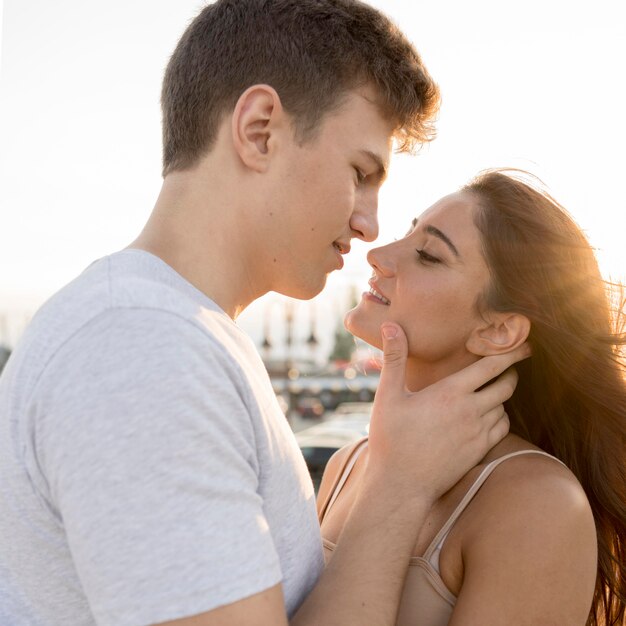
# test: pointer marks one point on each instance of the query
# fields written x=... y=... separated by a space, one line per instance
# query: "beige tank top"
x=425 y=601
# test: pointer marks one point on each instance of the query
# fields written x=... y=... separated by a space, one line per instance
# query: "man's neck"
x=198 y=229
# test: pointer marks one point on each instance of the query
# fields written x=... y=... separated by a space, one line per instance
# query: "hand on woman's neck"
x=421 y=373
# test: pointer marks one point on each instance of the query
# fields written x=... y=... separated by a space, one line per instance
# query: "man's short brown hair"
x=312 y=52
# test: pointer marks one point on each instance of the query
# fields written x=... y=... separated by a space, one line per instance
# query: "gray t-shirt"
x=146 y=470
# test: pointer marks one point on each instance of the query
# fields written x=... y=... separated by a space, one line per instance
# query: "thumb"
x=395 y=351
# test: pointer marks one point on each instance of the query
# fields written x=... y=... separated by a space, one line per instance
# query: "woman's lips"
x=374 y=296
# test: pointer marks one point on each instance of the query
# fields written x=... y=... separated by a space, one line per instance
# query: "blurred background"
x=533 y=84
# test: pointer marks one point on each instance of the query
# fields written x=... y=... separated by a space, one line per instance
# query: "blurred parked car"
x=349 y=408
x=318 y=443
x=309 y=407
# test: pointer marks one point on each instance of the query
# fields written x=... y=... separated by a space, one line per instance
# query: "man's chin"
x=303 y=291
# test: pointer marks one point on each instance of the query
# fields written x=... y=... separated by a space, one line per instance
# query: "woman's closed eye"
x=424 y=257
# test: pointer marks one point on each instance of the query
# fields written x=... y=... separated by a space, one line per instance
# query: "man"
x=147 y=473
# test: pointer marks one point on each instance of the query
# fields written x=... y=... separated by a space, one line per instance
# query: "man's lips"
x=341 y=249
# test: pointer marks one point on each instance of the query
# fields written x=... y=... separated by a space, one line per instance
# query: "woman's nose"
x=383 y=261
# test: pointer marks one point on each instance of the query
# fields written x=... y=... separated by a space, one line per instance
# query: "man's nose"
x=364 y=220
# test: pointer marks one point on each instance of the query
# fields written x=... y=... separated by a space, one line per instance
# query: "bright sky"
x=533 y=84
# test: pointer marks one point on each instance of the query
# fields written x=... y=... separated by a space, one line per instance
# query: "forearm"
x=363 y=581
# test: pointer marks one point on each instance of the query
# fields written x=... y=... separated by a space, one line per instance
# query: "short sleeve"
x=146 y=442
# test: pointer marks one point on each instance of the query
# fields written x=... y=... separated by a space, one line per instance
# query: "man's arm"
x=420 y=445
x=261 y=609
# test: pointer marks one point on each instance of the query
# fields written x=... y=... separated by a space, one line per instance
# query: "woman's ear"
x=255 y=119
x=502 y=333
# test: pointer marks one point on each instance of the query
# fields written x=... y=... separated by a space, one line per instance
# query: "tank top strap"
x=440 y=537
x=342 y=476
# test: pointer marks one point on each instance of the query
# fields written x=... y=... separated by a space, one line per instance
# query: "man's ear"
x=501 y=333
x=256 y=117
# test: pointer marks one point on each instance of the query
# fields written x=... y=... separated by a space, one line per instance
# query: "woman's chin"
x=356 y=324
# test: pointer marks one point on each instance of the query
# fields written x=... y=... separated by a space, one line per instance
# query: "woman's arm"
x=528 y=549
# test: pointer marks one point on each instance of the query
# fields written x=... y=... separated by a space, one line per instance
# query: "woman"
x=536 y=533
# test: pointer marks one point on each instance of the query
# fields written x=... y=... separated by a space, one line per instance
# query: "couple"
x=146 y=472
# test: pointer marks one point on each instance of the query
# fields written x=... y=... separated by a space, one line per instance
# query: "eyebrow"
x=382 y=168
x=433 y=230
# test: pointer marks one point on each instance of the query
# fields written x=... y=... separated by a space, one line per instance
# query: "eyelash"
x=360 y=176
x=425 y=257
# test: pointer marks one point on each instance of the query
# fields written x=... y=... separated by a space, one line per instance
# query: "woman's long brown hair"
x=571 y=396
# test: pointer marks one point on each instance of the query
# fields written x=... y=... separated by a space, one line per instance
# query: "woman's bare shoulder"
x=532 y=503
x=535 y=487
x=529 y=526
x=539 y=477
